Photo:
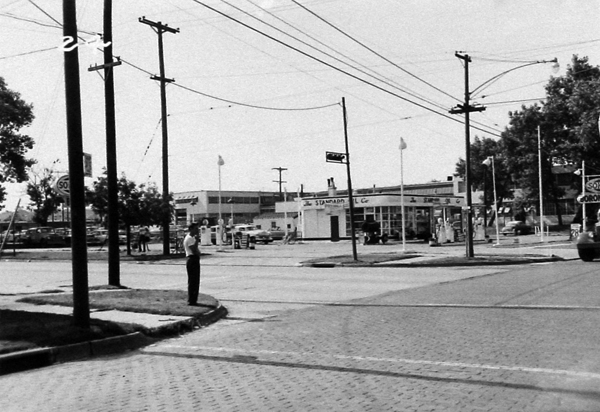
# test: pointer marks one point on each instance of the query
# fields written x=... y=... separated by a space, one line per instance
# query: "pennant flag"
x=402 y=144
x=221 y=162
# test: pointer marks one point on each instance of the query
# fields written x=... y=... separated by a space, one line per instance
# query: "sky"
x=244 y=89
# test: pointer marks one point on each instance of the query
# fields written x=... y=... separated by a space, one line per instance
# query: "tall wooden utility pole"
x=160 y=28
x=280 y=169
x=81 y=304
x=350 y=195
x=467 y=108
x=114 y=271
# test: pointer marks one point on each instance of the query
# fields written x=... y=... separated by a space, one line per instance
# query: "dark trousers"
x=193 y=271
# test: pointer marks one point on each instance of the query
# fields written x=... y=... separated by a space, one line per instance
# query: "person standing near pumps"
x=192 y=253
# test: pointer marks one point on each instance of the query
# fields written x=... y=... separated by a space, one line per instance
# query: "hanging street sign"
x=593 y=185
x=589 y=198
x=62 y=186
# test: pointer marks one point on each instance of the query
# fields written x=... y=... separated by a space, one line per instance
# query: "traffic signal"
x=334 y=157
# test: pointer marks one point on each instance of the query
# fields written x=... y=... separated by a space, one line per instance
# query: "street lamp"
x=231 y=202
x=581 y=172
x=402 y=148
x=466 y=109
x=487 y=162
x=220 y=162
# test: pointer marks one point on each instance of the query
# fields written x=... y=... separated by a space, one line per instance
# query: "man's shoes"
x=201 y=305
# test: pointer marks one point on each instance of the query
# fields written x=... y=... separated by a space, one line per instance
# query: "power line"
x=150 y=73
x=377 y=75
x=516 y=101
x=253 y=105
x=27 y=53
x=373 y=51
x=337 y=68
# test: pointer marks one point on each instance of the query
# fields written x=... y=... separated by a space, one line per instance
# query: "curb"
x=41 y=357
x=436 y=263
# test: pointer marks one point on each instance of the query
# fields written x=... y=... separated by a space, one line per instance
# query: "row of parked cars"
x=46 y=236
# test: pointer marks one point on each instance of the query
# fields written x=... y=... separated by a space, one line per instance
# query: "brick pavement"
x=486 y=346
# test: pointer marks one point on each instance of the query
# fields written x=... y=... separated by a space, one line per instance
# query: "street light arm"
x=498 y=76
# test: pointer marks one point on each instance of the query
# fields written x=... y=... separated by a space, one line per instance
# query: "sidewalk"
x=526 y=249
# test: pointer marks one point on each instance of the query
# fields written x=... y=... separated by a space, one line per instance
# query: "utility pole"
x=466 y=109
x=350 y=195
x=281 y=169
x=81 y=304
x=114 y=275
x=160 y=28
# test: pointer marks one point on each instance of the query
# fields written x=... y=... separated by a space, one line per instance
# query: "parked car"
x=255 y=233
x=277 y=233
x=65 y=234
x=516 y=227
x=11 y=237
x=42 y=236
x=226 y=235
x=90 y=237
x=122 y=237
x=100 y=236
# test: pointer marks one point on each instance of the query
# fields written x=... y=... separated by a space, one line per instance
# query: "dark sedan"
x=516 y=227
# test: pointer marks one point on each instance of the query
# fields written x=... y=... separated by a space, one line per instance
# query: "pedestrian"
x=192 y=265
x=143 y=238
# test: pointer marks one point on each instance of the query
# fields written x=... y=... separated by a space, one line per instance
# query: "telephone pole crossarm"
x=97 y=67
x=158 y=26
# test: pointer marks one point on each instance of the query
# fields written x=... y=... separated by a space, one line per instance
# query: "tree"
x=481 y=175
x=42 y=195
x=14 y=115
x=568 y=123
x=138 y=204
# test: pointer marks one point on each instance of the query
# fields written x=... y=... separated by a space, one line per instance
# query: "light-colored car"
x=255 y=233
x=516 y=227
x=100 y=236
x=12 y=236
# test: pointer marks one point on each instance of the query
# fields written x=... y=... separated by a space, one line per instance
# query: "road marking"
x=307 y=355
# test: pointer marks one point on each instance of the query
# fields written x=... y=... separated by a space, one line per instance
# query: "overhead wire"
x=337 y=68
x=376 y=75
x=27 y=53
x=372 y=50
x=181 y=86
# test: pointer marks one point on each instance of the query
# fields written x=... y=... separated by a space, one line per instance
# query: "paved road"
x=499 y=339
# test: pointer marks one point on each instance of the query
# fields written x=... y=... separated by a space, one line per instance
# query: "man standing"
x=192 y=253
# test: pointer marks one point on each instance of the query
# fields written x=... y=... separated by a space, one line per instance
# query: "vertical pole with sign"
x=81 y=306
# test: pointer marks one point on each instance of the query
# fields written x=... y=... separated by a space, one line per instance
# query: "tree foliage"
x=568 y=128
x=43 y=198
x=568 y=131
x=138 y=204
x=482 y=176
x=14 y=115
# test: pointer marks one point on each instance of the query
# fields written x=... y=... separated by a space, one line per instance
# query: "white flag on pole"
x=402 y=144
x=221 y=162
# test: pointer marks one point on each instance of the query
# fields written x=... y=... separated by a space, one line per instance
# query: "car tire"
x=587 y=255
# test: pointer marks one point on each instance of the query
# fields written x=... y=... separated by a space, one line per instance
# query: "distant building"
x=241 y=206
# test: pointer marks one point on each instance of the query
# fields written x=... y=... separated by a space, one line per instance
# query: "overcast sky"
x=393 y=61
